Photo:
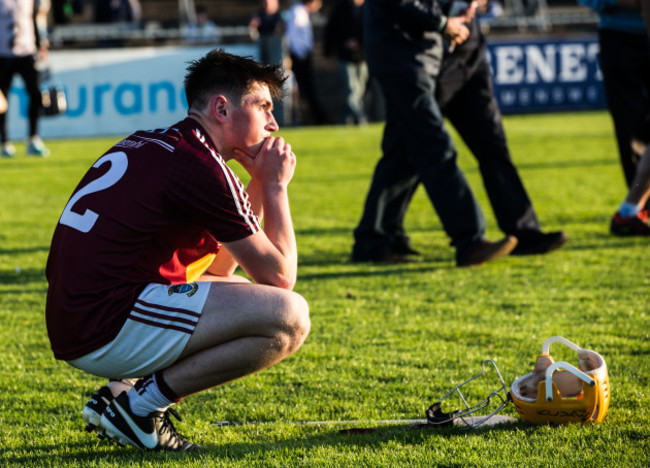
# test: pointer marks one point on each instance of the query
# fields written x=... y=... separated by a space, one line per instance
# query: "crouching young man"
x=141 y=284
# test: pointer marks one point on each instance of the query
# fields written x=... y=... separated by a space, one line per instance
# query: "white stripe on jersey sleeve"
x=167 y=146
x=239 y=194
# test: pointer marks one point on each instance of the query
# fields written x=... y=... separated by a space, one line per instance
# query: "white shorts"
x=154 y=335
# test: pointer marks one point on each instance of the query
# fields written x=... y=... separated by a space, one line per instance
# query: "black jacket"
x=402 y=33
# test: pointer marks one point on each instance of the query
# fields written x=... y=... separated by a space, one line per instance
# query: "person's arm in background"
x=40 y=31
x=417 y=17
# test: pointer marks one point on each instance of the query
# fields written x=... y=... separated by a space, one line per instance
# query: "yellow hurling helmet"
x=558 y=392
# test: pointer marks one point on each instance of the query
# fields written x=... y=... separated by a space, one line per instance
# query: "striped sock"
x=151 y=394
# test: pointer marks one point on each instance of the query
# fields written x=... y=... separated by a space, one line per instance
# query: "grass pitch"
x=386 y=340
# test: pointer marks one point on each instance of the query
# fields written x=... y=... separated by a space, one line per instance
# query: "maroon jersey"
x=152 y=209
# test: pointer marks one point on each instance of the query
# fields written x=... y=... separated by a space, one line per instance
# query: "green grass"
x=386 y=341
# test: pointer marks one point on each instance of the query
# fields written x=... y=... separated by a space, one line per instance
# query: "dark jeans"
x=302 y=69
x=467 y=100
x=416 y=148
x=26 y=68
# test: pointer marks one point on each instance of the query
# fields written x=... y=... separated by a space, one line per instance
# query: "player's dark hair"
x=221 y=72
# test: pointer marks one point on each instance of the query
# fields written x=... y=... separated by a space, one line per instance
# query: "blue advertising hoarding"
x=546 y=75
x=113 y=91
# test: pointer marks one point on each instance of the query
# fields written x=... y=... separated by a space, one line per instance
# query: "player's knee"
x=301 y=321
x=305 y=321
x=296 y=324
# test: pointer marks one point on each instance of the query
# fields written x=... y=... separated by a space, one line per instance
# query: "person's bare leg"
x=640 y=188
x=244 y=328
x=118 y=386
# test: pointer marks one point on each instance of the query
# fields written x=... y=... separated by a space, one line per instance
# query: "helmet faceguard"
x=472 y=413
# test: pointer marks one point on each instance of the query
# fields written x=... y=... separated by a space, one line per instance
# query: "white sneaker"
x=36 y=147
x=8 y=150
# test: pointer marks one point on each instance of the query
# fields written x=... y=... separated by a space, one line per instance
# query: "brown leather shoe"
x=488 y=251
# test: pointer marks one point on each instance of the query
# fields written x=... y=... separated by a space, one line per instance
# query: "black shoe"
x=381 y=253
x=535 y=243
x=405 y=251
x=92 y=412
x=401 y=245
x=390 y=257
x=487 y=251
x=152 y=432
x=168 y=438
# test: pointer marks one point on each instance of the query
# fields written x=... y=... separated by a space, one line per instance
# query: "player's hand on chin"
x=274 y=162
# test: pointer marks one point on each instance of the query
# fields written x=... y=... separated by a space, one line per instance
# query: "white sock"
x=628 y=210
x=145 y=397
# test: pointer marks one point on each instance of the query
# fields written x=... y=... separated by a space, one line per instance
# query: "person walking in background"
x=631 y=218
x=404 y=49
x=117 y=11
x=466 y=97
x=300 y=40
x=625 y=65
x=126 y=13
x=203 y=30
x=266 y=26
x=20 y=47
x=344 y=41
x=632 y=215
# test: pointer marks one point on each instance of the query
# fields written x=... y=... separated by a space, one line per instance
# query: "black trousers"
x=416 y=148
x=26 y=68
x=625 y=64
x=303 y=70
x=466 y=98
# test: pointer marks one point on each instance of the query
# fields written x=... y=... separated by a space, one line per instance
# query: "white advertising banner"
x=113 y=91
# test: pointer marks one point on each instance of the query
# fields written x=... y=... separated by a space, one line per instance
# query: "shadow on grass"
x=597 y=241
x=49 y=455
x=26 y=250
x=554 y=164
x=263 y=451
x=107 y=451
x=336 y=440
x=369 y=270
x=19 y=276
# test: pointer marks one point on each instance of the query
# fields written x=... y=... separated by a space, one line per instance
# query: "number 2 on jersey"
x=85 y=222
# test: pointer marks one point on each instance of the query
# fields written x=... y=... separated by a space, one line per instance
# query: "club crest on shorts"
x=185 y=288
